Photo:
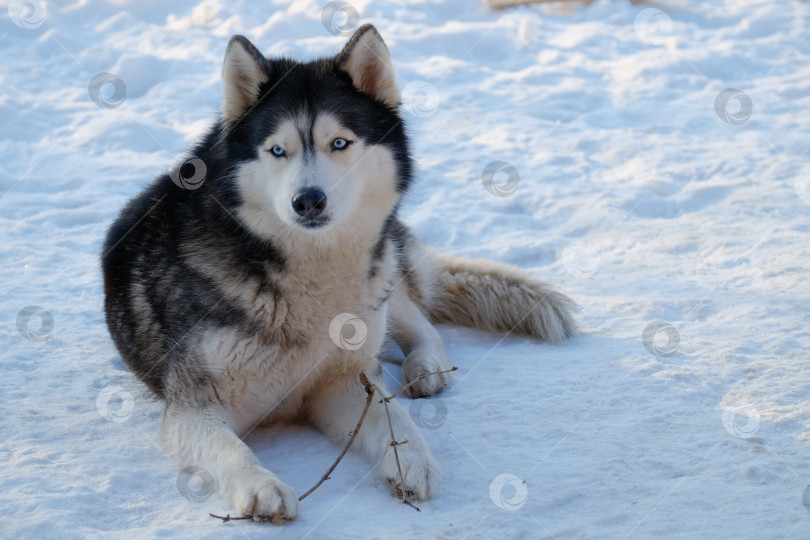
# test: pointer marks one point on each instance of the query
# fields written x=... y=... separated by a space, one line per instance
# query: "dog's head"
x=318 y=145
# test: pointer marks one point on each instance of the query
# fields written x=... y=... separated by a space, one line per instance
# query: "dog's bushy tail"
x=497 y=298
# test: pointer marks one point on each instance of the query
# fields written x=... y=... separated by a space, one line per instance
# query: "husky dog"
x=229 y=280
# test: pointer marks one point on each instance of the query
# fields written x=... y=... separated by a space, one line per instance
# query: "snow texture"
x=631 y=178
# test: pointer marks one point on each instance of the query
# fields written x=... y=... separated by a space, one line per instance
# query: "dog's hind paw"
x=420 y=362
x=261 y=495
x=419 y=470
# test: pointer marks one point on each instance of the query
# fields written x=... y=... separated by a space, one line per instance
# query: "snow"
x=644 y=191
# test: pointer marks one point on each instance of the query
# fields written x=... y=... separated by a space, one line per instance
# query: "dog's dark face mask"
x=315 y=145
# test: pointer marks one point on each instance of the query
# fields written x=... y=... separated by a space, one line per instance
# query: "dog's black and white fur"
x=223 y=299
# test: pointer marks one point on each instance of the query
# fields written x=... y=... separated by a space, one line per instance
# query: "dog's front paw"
x=259 y=493
x=420 y=362
x=419 y=470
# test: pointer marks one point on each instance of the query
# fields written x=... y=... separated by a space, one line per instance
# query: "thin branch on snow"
x=371 y=389
x=354 y=433
x=394 y=443
x=419 y=378
x=227 y=517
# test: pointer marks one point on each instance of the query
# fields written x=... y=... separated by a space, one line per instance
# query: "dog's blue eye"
x=340 y=143
x=278 y=151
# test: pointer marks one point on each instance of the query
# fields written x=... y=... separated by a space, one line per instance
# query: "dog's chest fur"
x=267 y=368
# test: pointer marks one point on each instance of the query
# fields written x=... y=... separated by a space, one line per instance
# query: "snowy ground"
x=644 y=191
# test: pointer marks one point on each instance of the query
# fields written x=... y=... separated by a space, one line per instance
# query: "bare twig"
x=394 y=444
x=419 y=378
x=409 y=503
x=325 y=477
x=228 y=517
x=371 y=389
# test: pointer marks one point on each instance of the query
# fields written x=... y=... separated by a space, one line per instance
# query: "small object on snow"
x=228 y=517
x=371 y=389
x=502 y=4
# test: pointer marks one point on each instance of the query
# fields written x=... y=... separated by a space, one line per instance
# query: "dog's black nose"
x=309 y=202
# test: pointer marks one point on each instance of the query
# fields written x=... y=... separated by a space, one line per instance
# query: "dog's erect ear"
x=365 y=58
x=242 y=73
